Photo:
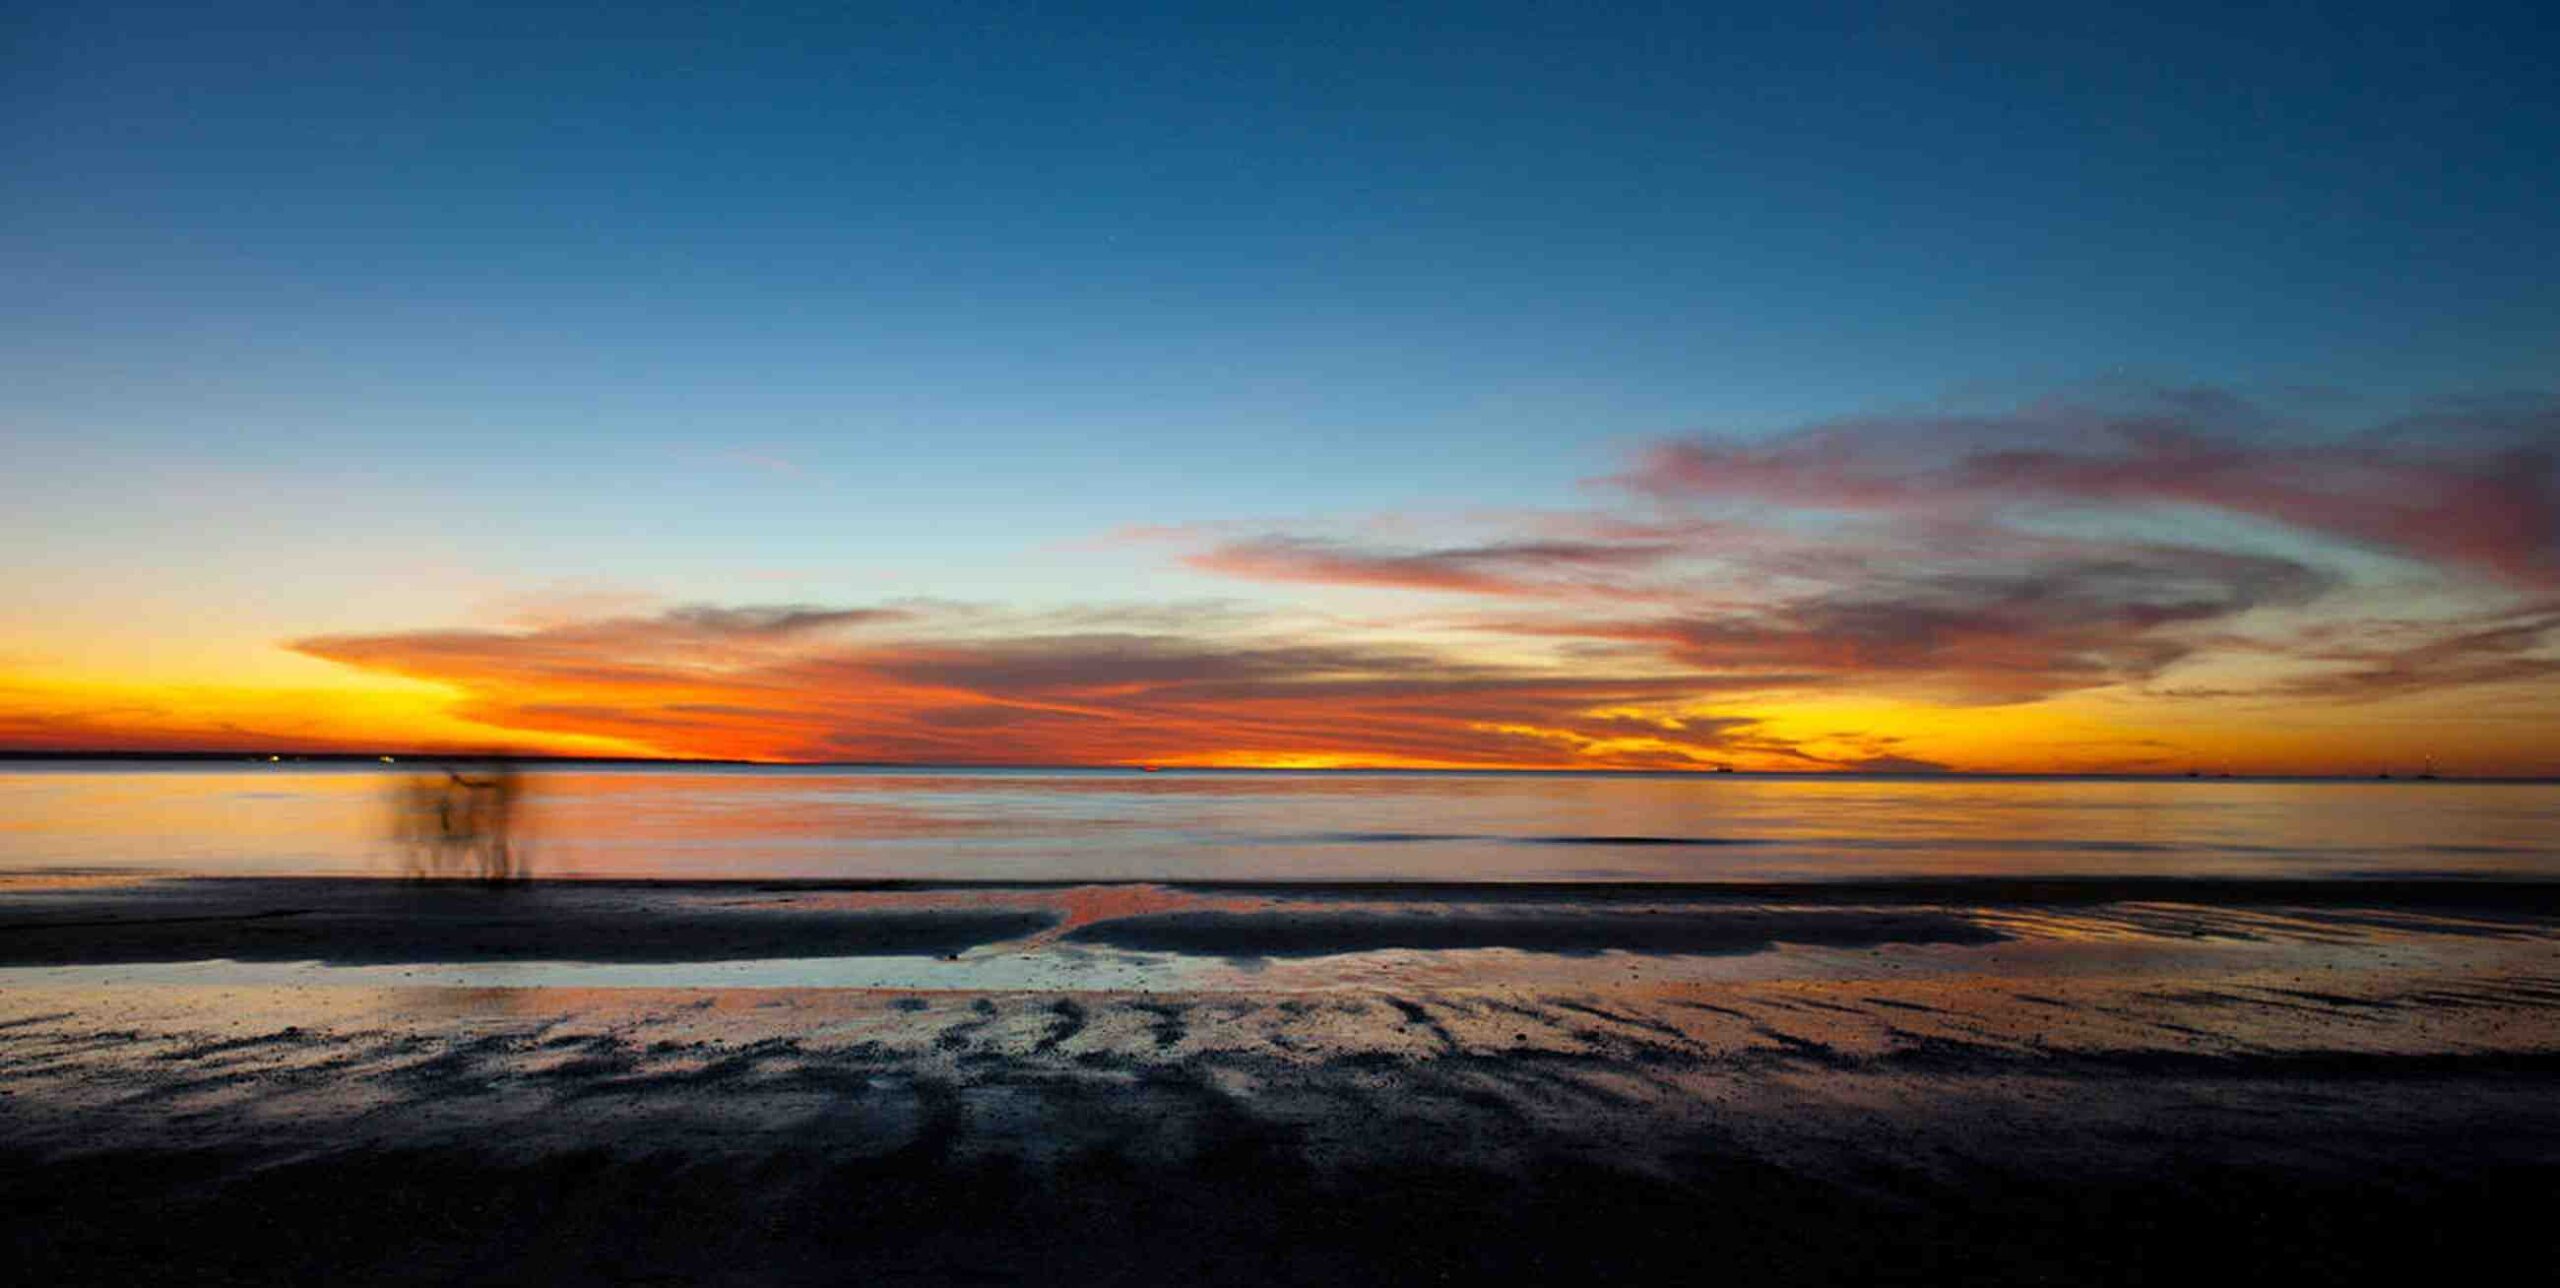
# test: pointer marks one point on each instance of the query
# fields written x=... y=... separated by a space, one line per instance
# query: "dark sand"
x=2314 y=1082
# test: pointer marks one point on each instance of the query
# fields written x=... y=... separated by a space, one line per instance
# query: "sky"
x=2018 y=388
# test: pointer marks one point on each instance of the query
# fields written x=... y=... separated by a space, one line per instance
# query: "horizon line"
x=140 y=755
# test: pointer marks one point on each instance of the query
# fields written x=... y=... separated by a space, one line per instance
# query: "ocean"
x=1053 y=825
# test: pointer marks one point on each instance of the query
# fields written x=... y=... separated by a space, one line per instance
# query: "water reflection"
x=459 y=820
x=693 y=821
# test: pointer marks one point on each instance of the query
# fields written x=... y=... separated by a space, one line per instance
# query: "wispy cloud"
x=2387 y=659
x=2001 y=558
x=727 y=682
x=2472 y=488
x=1507 y=568
x=1992 y=633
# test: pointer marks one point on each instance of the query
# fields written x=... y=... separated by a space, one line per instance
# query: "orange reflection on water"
x=1072 y=826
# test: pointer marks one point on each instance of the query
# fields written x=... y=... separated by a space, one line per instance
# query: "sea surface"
x=752 y=823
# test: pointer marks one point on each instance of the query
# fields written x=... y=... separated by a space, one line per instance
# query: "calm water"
x=1073 y=825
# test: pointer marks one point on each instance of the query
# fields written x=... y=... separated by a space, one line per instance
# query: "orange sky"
x=2158 y=598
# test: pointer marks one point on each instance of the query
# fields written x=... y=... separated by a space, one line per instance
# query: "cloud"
x=602 y=651
x=775 y=623
x=1962 y=611
x=1988 y=634
x=1509 y=568
x=1996 y=559
x=918 y=685
x=2390 y=659
x=2473 y=489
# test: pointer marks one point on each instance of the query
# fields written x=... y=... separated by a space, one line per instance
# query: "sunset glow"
x=2164 y=593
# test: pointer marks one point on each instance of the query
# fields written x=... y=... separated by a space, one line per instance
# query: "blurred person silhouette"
x=460 y=821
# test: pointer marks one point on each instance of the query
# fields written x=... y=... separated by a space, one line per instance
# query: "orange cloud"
x=697 y=682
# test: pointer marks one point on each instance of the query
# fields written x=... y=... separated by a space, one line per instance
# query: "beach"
x=1994 y=1079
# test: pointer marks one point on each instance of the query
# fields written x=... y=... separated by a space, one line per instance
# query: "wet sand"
x=225 y=1081
x=354 y=921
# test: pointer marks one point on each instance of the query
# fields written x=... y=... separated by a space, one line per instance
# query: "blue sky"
x=1014 y=227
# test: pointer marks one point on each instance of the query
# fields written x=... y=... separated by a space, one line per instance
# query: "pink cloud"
x=2478 y=493
x=1551 y=567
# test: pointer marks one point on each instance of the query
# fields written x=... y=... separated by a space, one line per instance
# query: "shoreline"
x=2094 y=1079
x=355 y=921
